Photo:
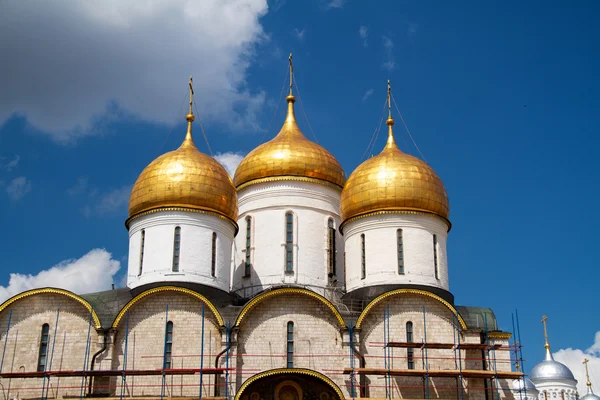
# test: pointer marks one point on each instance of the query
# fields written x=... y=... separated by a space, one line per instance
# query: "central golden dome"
x=393 y=181
x=289 y=156
x=185 y=178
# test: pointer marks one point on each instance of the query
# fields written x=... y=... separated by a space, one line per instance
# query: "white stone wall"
x=439 y=329
x=381 y=250
x=145 y=345
x=195 y=251
x=312 y=205
x=69 y=339
x=556 y=389
x=262 y=338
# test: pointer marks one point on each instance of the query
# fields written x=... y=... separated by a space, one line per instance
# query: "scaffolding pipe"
x=162 y=386
x=5 y=340
x=123 y=377
x=46 y=387
x=86 y=355
x=352 y=376
x=462 y=387
x=201 y=353
x=521 y=351
x=227 y=362
x=389 y=353
x=426 y=360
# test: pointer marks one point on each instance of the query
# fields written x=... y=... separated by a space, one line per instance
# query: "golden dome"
x=185 y=178
x=393 y=181
x=289 y=156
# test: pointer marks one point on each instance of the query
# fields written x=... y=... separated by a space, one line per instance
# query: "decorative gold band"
x=395 y=210
x=182 y=208
x=288 y=178
x=396 y=292
x=289 y=371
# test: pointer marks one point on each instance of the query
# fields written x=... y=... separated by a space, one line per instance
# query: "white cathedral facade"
x=287 y=282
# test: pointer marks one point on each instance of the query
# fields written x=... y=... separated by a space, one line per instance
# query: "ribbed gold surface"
x=291 y=154
x=185 y=178
x=393 y=180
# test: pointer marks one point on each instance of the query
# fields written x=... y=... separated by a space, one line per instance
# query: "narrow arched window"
x=290 y=344
x=410 y=351
x=142 y=244
x=330 y=248
x=400 y=251
x=43 y=356
x=213 y=260
x=435 y=256
x=289 y=242
x=248 y=262
x=363 y=258
x=176 y=248
x=168 y=345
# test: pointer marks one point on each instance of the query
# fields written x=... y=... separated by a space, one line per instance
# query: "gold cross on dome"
x=587 y=373
x=191 y=93
x=544 y=319
x=291 y=73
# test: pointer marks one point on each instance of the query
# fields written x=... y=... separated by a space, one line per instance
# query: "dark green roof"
x=478 y=317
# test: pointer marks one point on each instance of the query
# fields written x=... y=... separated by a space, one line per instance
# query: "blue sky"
x=500 y=96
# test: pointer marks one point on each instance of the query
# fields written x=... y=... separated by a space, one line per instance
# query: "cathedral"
x=289 y=281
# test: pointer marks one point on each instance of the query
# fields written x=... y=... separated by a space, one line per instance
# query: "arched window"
x=289 y=242
x=168 y=345
x=248 y=262
x=43 y=356
x=400 y=251
x=176 y=248
x=363 y=258
x=435 y=256
x=143 y=242
x=290 y=344
x=330 y=248
x=410 y=351
x=213 y=260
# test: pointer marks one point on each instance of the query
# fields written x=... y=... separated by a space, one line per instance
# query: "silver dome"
x=590 y=396
x=550 y=369
x=529 y=386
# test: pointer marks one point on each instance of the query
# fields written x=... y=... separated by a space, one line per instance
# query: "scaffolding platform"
x=129 y=372
x=462 y=346
x=441 y=373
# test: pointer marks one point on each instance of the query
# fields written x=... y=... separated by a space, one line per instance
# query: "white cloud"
x=9 y=165
x=363 y=32
x=90 y=273
x=413 y=28
x=79 y=187
x=573 y=358
x=109 y=202
x=299 y=33
x=18 y=187
x=335 y=4
x=368 y=94
x=68 y=63
x=390 y=64
x=229 y=161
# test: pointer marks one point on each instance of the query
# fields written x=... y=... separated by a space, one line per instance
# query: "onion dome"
x=184 y=179
x=524 y=385
x=393 y=181
x=549 y=369
x=289 y=156
x=590 y=395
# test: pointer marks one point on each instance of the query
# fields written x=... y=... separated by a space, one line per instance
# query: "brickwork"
x=146 y=344
x=439 y=329
x=69 y=339
x=317 y=340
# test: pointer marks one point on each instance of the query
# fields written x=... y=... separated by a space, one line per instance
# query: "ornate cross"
x=544 y=319
x=291 y=73
x=587 y=373
x=191 y=93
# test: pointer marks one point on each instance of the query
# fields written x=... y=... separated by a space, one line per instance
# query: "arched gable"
x=282 y=291
x=152 y=291
x=399 y=292
x=61 y=292
x=289 y=371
